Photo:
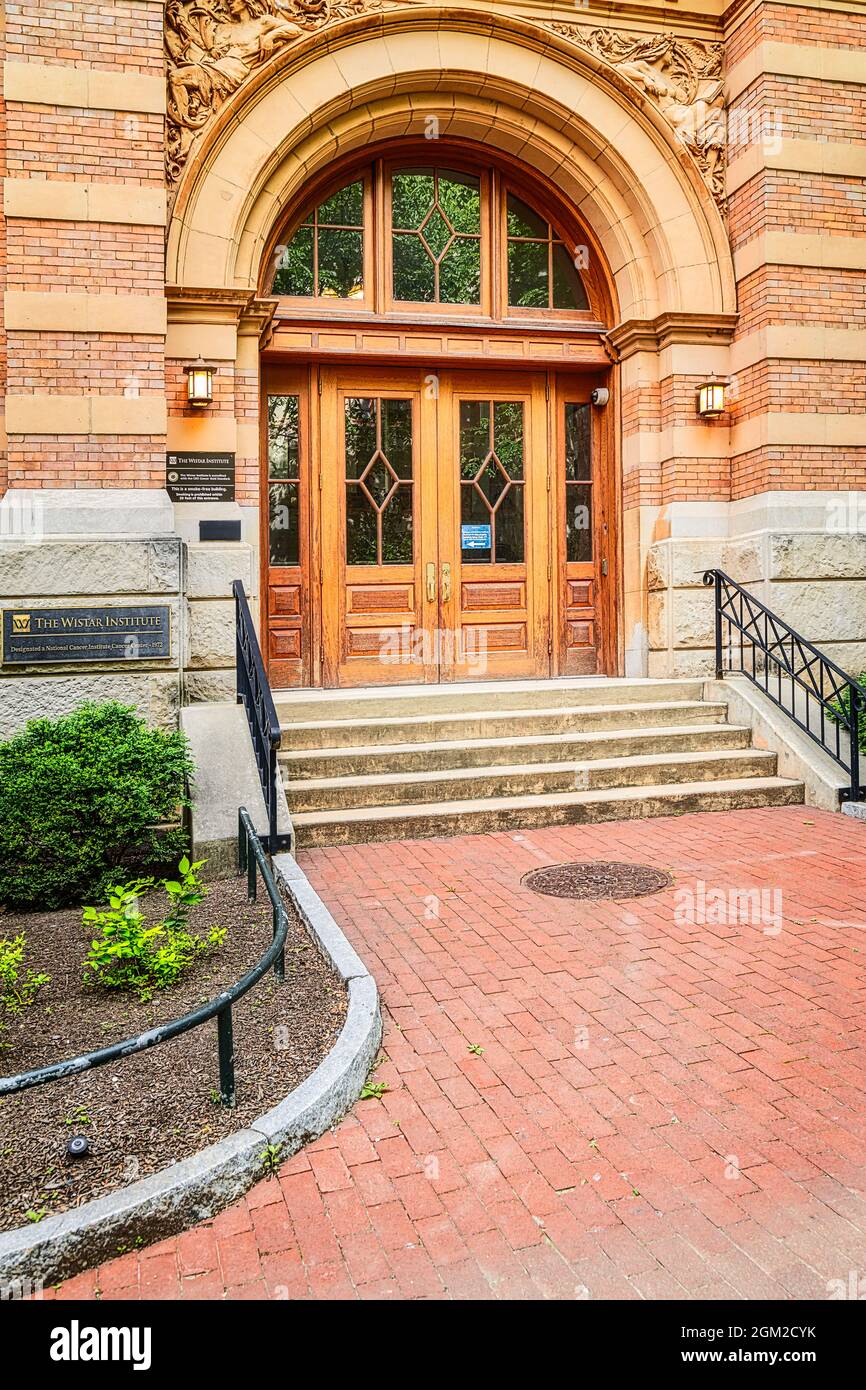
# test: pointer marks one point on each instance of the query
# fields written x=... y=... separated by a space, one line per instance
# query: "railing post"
x=280 y=962
x=251 y=877
x=272 y=800
x=717 y=594
x=238 y=649
x=226 y=1046
x=854 y=720
x=254 y=693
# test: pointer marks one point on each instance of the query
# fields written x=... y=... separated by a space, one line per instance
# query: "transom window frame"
x=378 y=301
x=384 y=237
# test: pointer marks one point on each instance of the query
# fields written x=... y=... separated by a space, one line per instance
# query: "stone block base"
x=800 y=560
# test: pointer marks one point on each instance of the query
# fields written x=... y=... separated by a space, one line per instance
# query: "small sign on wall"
x=200 y=477
x=32 y=635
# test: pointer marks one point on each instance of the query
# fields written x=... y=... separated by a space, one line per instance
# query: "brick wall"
x=784 y=294
x=60 y=257
x=74 y=143
x=782 y=23
x=64 y=144
x=65 y=158
x=794 y=223
x=117 y=37
x=4 y=472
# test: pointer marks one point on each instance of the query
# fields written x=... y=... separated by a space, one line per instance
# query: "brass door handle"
x=431 y=583
x=446 y=583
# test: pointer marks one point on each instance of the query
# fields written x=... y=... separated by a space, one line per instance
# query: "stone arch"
x=503 y=83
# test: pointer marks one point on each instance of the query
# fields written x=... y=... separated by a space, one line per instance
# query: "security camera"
x=600 y=396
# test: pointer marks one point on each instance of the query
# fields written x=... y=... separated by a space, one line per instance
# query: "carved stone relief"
x=213 y=46
x=682 y=77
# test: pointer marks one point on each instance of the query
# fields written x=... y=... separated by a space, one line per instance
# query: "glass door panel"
x=285 y=527
x=586 y=544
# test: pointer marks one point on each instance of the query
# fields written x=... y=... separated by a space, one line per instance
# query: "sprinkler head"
x=77 y=1147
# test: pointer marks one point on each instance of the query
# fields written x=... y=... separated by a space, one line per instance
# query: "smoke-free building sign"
x=200 y=477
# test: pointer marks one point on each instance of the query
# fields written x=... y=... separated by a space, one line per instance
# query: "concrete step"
x=501 y=723
x=421 y=821
x=373 y=759
x=528 y=779
x=395 y=702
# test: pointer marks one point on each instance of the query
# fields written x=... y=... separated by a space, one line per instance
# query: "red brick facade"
x=83 y=258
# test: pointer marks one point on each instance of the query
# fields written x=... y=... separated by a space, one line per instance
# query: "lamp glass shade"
x=711 y=398
x=199 y=385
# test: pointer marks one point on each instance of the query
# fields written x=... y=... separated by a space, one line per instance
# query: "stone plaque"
x=200 y=477
x=85 y=634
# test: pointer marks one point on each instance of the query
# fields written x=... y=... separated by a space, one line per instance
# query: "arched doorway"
x=439 y=494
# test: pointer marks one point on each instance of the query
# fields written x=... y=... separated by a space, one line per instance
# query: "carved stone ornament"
x=684 y=80
x=213 y=46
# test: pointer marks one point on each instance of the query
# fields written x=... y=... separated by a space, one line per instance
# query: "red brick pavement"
x=668 y=1103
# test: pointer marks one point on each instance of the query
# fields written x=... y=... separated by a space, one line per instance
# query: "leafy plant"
x=85 y=797
x=120 y=954
x=128 y=954
x=17 y=990
x=841 y=711
x=270 y=1158
x=79 y=1117
x=373 y=1090
x=185 y=894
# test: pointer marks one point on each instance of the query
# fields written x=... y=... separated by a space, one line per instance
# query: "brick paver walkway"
x=669 y=1101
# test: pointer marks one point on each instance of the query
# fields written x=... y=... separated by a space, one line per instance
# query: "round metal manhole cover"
x=597 y=880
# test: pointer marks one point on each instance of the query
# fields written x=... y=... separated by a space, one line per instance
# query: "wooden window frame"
x=378 y=302
x=438 y=308
x=517 y=313
x=366 y=303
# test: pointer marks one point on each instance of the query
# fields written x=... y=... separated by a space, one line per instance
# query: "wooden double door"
x=442 y=526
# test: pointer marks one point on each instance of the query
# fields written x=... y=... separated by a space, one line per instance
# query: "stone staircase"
x=393 y=764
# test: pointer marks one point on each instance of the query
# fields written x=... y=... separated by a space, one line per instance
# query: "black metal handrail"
x=822 y=699
x=220 y=1007
x=254 y=693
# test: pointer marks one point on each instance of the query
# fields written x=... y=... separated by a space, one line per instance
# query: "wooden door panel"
x=377 y=454
x=584 y=522
x=492 y=597
x=493 y=532
x=364 y=599
x=388 y=622
x=284 y=600
x=285 y=533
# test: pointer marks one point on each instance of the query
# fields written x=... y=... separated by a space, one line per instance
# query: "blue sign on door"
x=475 y=537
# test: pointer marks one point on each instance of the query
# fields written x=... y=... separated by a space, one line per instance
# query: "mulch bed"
x=155 y=1107
x=601 y=879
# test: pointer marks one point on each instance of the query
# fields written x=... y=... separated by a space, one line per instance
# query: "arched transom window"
x=433 y=238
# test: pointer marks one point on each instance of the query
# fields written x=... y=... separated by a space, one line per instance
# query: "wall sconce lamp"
x=711 y=399
x=199 y=382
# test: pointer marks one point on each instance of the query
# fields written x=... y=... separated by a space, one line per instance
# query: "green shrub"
x=130 y=955
x=16 y=992
x=81 y=797
x=843 y=706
